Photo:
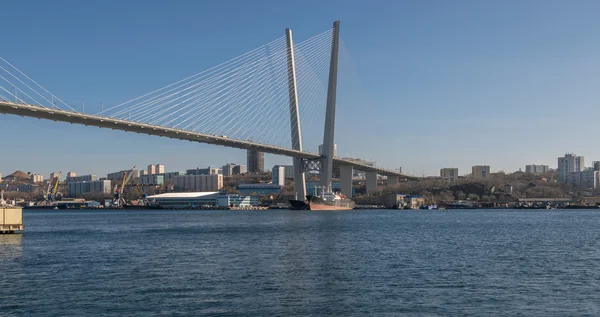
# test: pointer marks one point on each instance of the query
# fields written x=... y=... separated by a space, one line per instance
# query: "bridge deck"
x=26 y=110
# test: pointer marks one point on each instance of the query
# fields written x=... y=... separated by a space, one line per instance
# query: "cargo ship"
x=328 y=200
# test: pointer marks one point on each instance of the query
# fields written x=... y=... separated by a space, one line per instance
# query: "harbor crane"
x=119 y=199
x=52 y=189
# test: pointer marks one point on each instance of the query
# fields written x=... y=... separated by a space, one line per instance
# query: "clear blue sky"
x=448 y=83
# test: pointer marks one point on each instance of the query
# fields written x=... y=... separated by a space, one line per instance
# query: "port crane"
x=119 y=199
x=52 y=189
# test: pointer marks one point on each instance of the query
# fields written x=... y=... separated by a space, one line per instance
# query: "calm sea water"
x=282 y=263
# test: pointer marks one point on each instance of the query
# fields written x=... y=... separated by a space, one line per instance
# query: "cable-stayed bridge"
x=264 y=100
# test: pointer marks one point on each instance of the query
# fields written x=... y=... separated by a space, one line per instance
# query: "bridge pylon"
x=328 y=137
x=299 y=180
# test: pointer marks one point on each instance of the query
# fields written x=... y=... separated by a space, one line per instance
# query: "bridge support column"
x=392 y=180
x=371 y=182
x=346 y=180
x=299 y=180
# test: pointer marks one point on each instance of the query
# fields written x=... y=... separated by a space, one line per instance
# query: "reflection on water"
x=10 y=246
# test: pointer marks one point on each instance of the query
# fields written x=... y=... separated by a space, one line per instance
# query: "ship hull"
x=338 y=205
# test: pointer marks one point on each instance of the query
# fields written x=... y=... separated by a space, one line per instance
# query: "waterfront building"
x=568 y=164
x=119 y=175
x=278 y=175
x=393 y=201
x=36 y=178
x=185 y=200
x=151 y=169
x=160 y=169
x=480 y=171
x=255 y=161
x=232 y=200
x=259 y=189
x=414 y=202
x=202 y=171
x=82 y=178
x=202 y=200
x=536 y=169
x=334 y=150
x=595 y=166
x=401 y=201
x=71 y=175
x=77 y=188
x=239 y=169
x=153 y=179
x=142 y=173
x=449 y=174
x=198 y=183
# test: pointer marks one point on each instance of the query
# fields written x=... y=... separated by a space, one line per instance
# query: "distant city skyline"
x=422 y=85
x=166 y=169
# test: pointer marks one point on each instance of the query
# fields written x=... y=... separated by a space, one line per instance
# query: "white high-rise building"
x=151 y=169
x=568 y=164
x=278 y=176
x=160 y=169
x=36 y=178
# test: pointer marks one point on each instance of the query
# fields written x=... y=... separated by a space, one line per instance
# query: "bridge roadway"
x=26 y=110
